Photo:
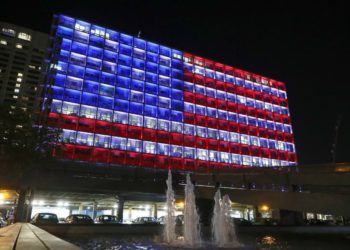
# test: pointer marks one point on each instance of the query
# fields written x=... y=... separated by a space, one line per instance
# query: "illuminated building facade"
x=123 y=100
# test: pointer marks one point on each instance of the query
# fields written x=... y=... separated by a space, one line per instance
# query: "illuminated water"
x=223 y=229
x=170 y=223
x=191 y=235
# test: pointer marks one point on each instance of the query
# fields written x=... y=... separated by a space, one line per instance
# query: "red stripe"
x=112 y=156
x=147 y=134
x=234 y=107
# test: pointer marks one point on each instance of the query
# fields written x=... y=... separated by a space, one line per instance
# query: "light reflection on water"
x=249 y=242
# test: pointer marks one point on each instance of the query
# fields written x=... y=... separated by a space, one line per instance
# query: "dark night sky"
x=305 y=45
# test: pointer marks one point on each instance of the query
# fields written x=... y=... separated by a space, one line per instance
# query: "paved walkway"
x=24 y=236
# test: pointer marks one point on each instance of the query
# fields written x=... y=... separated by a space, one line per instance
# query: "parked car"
x=161 y=220
x=44 y=219
x=145 y=220
x=106 y=219
x=80 y=219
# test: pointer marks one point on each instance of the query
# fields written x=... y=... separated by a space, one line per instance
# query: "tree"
x=22 y=140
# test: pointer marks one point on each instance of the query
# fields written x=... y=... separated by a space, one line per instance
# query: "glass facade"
x=123 y=100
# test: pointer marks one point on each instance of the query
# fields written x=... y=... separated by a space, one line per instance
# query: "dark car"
x=242 y=222
x=106 y=219
x=145 y=220
x=44 y=219
x=80 y=219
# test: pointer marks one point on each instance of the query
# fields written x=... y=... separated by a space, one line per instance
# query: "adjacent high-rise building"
x=22 y=55
x=123 y=100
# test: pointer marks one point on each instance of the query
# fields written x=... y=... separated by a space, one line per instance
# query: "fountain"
x=170 y=223
x=223 y=228
x=191 y=218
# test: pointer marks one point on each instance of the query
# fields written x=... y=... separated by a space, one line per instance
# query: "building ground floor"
x=129 y=207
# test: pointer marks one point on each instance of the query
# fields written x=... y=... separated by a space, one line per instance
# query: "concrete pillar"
x=155 y=211
x=81 y=208
x=94 y=210
x=121 y=209
x=258 y=217
x=71 y=210
x=30 y=206
x=113 y=211
x=20 y=209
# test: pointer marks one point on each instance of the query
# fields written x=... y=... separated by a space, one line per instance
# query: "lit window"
x=234 y=137
x=202 y=154
x=213 y=156
x=176 y=151
x=189 y=129
x=266 y=162
x=19 y=74
x=102 y=141
x=225 y=157
x=19 y=46
x=18 y=85
x=68 y=136
x=246 y=160
x=236 y=159
x=245 y=139
x=201 y=131
x=19 y=79
x=176 y=127
x=24 y=36
x=16 y=91
x=149 y=147
x=150 y=122
x=3 y=42
x=9 y=32
x=189 y=153
x=118 y=143
x=256 y=162
x=134 y=145
x=85 y=138
x=135 y=120
x=163 y=125
x=87 y=112
x=15 y=97
x=163 y=149
x=31 y=66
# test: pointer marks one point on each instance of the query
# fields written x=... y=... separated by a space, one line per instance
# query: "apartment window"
x=224 y=135
x=85 y=138
x=118 y=143
x=135 y=120
x=150 y=122
x=234 y=137
x=176 y=151
x=24 y=36
x=213 y=156
x=176 y=127
x=202 y=154
x=105 y=115
x=201 y=131
x=134 y=145
x=163 y=149
x=102 y=141
x=3 y=42
x=255 y=141
x=70 y=108
x=236 y=159
x=256 y=162
x=212 y=133
x=225 y=157
x=163 y=125
x=120 y=117
x=68 y=136
x=19 y=46
x=149 y=147
x=246 y=160
x=87 y=112
x=189 y=129
x=245 y=139
x=189 y=152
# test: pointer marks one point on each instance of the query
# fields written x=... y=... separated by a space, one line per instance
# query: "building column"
x=94 y=210
x=81 y=208
x=71 y=210
x=120 y=208
x=155 y=211
x=30 y=206
x=20 y=208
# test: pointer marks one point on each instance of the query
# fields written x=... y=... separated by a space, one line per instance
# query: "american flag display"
x=122 y=100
